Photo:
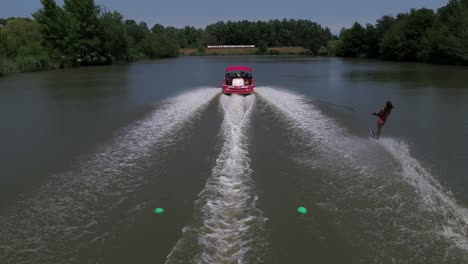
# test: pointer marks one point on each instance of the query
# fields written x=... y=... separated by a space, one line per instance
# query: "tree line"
x=82 y=33
x=273 y=33
x=421 y=35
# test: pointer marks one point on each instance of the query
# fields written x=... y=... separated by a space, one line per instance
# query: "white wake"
x=51 y=225
x=230 y=228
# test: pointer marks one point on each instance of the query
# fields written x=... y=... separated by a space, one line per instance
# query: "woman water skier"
x=383 y=114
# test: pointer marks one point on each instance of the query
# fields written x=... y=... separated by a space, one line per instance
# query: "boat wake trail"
x=452 y=219
x=228 y=227
x=53 y=224
x=375 y=189
x=321 y=134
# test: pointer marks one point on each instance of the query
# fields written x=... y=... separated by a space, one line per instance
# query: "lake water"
x=87 y=154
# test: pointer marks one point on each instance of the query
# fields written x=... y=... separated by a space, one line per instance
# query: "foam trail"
x=435 y=198
x=319 y=131
x=358 y=169
x=51 y=225
x=229 y=228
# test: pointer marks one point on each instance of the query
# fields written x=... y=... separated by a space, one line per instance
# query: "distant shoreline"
x=244 y=51
x=297 y=51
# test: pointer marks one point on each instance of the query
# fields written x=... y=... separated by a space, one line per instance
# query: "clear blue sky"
x=334 y=14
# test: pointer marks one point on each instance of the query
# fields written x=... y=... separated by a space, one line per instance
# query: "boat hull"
x=249 y=89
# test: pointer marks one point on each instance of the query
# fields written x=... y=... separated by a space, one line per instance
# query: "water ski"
x=371 y=133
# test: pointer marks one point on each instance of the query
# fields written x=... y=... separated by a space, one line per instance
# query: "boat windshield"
x=234 y=74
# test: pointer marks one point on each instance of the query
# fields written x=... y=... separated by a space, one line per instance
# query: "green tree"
x=334 y=47
x=54 y=25
x=353 y=41
x=83 y=43
x=192 y=35
x=20 y=46
x=157 y=29
x=22 y=38
x=405 y=39
x=136 y=32
x=383 y=25
x=113 y=36
x=372 y=42
x=3 y=44
x=157 y=46
x=262 y=47
x=447 y=41
x=310 y=35
x=201 y=48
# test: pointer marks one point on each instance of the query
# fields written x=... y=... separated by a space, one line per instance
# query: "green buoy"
x=302 y=210
x=159 y=210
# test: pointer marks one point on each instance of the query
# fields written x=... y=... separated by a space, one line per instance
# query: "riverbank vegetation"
x=421 y=35
x=246 y=51
x=80 y=33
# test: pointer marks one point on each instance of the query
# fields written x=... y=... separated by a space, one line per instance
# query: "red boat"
x=238 y=80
